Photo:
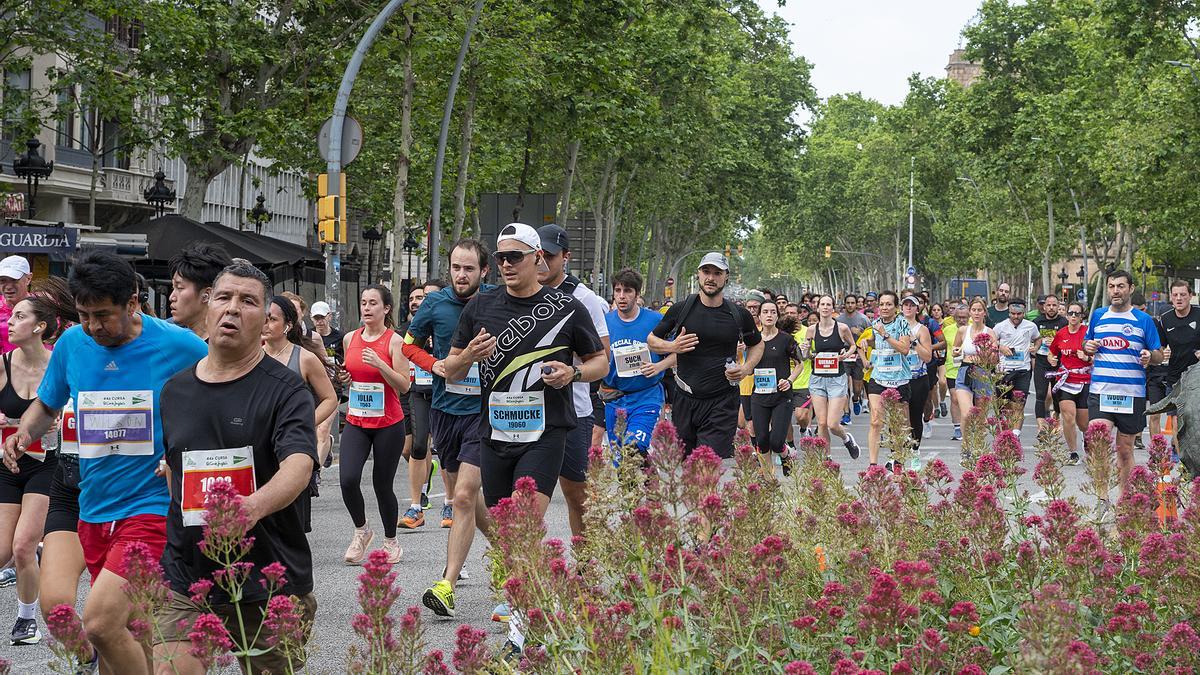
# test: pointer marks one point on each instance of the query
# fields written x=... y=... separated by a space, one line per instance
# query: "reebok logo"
x=112 y=365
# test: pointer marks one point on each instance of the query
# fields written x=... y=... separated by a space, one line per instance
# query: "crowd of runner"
x=116 y=422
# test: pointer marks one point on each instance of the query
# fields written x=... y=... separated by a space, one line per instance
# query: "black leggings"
x=918 y=394
x=771 y=422
x=420 y=402
x=1041 y=384
x=357 y=444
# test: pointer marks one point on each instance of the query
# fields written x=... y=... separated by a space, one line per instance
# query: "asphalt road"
x=424 y=557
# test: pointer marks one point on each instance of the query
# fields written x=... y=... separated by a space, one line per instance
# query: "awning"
x=170 y=233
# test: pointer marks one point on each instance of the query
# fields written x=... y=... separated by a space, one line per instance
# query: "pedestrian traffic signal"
x=828 y=252
x=331 y=211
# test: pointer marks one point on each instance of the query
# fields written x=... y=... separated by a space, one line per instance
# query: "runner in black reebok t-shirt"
x=1048 y=327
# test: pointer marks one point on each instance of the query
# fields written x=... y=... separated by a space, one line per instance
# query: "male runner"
x=14 y=286
x=998 y=312
x=704 y=331
x=524 y=337
x=1180 y=336
x=193 y=270
x=1123 y=341
x=1048 y=321
x=634 y=381
x=240 y=417
x=331 y=337
x=1018 y=337
x=416 y=403
x=871 y=305
x=556 y=250
x=113 y=365
x=858 y=322
x=454 y=418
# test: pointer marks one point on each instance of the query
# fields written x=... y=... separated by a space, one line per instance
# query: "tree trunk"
x=198 y=178
x=92 y=186
x=242 y=192
x=401 y=257
x=523 y=185
x=568 y=182
x=599 y=209
x=464 y=156
x=1046 y=284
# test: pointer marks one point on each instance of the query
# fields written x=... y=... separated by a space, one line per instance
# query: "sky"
x=872 y=46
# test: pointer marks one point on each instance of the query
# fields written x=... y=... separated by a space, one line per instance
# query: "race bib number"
x=35 y=450
x=70 y=432
x=517 y=417
x=888 y=365
x=630 y=359
x=825 y=363
x=420 y=376
x=765 y=381
x=1014 y=362
x=469 y=385
x=1113 y=403
x=204 y=468
x=115 y=423
x=1044 y=349
x=366 y=399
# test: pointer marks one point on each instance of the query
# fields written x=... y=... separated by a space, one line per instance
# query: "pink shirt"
x=5 y=313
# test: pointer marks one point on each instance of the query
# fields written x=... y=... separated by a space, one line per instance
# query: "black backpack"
x=689 y=303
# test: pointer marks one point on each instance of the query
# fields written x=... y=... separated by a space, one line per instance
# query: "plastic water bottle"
x=914 y=464
x=730 y=365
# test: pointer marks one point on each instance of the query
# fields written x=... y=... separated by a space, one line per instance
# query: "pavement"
x=425 y=551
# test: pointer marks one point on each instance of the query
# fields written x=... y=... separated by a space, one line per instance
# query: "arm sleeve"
x=466 y=324
x=295 y=430
x=419 y=330
x=750 y=332
x=669 y=322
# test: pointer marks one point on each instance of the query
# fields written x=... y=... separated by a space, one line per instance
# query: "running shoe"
x=511 y=652
x=447 y=516
x=857 y=407
x=8 y=577
x=846 y=419
x=393 y=550
x=440 y=598
x=1138 y=443
x=888 y=467
x=357 y=551
x=425 y=501
x=852 y=446
x=26 y=632
x=945 y=411
x=412 y=519
x=928 y=430
x=501 y=613
x=1073 y=460
x=957 y=435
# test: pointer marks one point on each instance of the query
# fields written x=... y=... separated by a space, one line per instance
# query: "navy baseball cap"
x=554 y=239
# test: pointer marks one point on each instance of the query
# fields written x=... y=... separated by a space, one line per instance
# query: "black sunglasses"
x=1074 y=313
x=513 y=258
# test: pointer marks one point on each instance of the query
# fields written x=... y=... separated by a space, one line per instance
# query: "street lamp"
x=1062 y=283
x=372 y=235
x=410 y=245
x=259 y=215
x=33 y=168
x=158 y=195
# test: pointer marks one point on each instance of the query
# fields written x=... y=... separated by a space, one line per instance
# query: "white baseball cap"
x=320 y=308
x=716 y=260
x=522 y=233
x=14 y=267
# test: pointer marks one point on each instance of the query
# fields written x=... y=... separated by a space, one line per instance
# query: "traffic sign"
x=670 y=281
x=911 y=279
x=1080 y=295
x=352 y=140
x=1154 y=296
x=912 y=272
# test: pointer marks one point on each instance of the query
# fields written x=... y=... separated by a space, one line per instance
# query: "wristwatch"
x=578 y=376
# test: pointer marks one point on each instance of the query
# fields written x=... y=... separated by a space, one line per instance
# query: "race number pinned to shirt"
x=70 y=431
x=1014 y=362
x=469 y=385
x=630 y=359
x=366 y=399
x=420 y=376
x=888 y=365
x=1044 y=349
x=204 y=468
x=765 y=381
x=115 y=423
x=825 y=363
x=1115 y=403
x=35 y=450
x=517 y=417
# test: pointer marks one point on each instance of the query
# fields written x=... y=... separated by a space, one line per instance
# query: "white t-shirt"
x=1019 y=338
x=581 y=392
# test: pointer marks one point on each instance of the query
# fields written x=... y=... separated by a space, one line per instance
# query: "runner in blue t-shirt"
x=634 y=381
x=113 y=365
x=1123 y=341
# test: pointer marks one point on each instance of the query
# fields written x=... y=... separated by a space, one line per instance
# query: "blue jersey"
x=890 y=368
x=437 y=318
x=118 y=420
x=629 y=337
x=1122 y=337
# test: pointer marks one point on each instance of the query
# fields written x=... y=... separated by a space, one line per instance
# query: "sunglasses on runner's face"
x=513 y=258
x=1074 y=313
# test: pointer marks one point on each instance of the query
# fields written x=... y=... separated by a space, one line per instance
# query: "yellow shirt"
x=950 y=329
x=802 y=381
x=866 y=344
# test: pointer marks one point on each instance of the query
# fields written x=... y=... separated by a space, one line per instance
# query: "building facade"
x=962 y=70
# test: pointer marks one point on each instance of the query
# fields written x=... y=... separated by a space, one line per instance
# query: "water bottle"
x=915 y=463
x=730 y=365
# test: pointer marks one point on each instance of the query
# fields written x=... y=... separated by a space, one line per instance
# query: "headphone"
x=143 y=289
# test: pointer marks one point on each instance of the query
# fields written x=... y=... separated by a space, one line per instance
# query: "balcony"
x=127 y=187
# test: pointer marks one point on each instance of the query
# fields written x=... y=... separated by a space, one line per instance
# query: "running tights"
x=420 y=403
x=771 y=423
x=357 y=444
x=918 y=394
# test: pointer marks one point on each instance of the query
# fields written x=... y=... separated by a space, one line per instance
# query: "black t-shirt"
x=333 y=345
x=778 y=354
x=269 y=409
x=703 y=368
x=1048 y=328
x=1183 y=338
x=547 y=326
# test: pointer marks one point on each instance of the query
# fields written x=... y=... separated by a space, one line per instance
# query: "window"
x=128 y=33
x=114 y=155
x=15 y=102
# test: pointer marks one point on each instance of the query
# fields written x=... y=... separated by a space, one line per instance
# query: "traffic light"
x=828 y=252
x=331 y=211
x=726 y=250
x=739 y=250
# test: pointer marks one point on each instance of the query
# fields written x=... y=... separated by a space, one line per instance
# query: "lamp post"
x=1062 y=284
x=410 y=245
x=33 y=168
x=372 y=235
x=158 y=195
x=259 y=215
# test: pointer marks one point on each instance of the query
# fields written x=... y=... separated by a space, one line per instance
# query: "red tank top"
x=365 y=381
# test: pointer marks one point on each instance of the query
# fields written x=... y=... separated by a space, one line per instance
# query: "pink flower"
x=471 y=651
x=210 y=641
x=273 y=576
x=799 y=668
x=199 y=591
x=434 y=664
x=67 y=630
x=285 y=624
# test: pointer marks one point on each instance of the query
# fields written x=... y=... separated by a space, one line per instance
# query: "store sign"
x=12 y=205
x=30 y=239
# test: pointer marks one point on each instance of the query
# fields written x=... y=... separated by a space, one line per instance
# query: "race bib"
x=420 y=376
x=630 y=359
x=70 y=433
x=204 y=468
x=1114 y=403
x=1014 y=362
x=366 y=399
x=957 y=360
x=115 y=423
x=1044 y=349
x=517 y=417
x=35 y=450
x=469 y=385
x=888 y=365
x=825 y=363
x=765 y=381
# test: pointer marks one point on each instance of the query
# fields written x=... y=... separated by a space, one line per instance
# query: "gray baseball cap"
x=716 y=260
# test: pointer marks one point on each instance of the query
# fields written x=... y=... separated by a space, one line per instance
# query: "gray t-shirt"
x=857 y=323
x=1020 y=339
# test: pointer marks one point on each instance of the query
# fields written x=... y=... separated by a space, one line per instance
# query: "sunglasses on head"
x=513 y=258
